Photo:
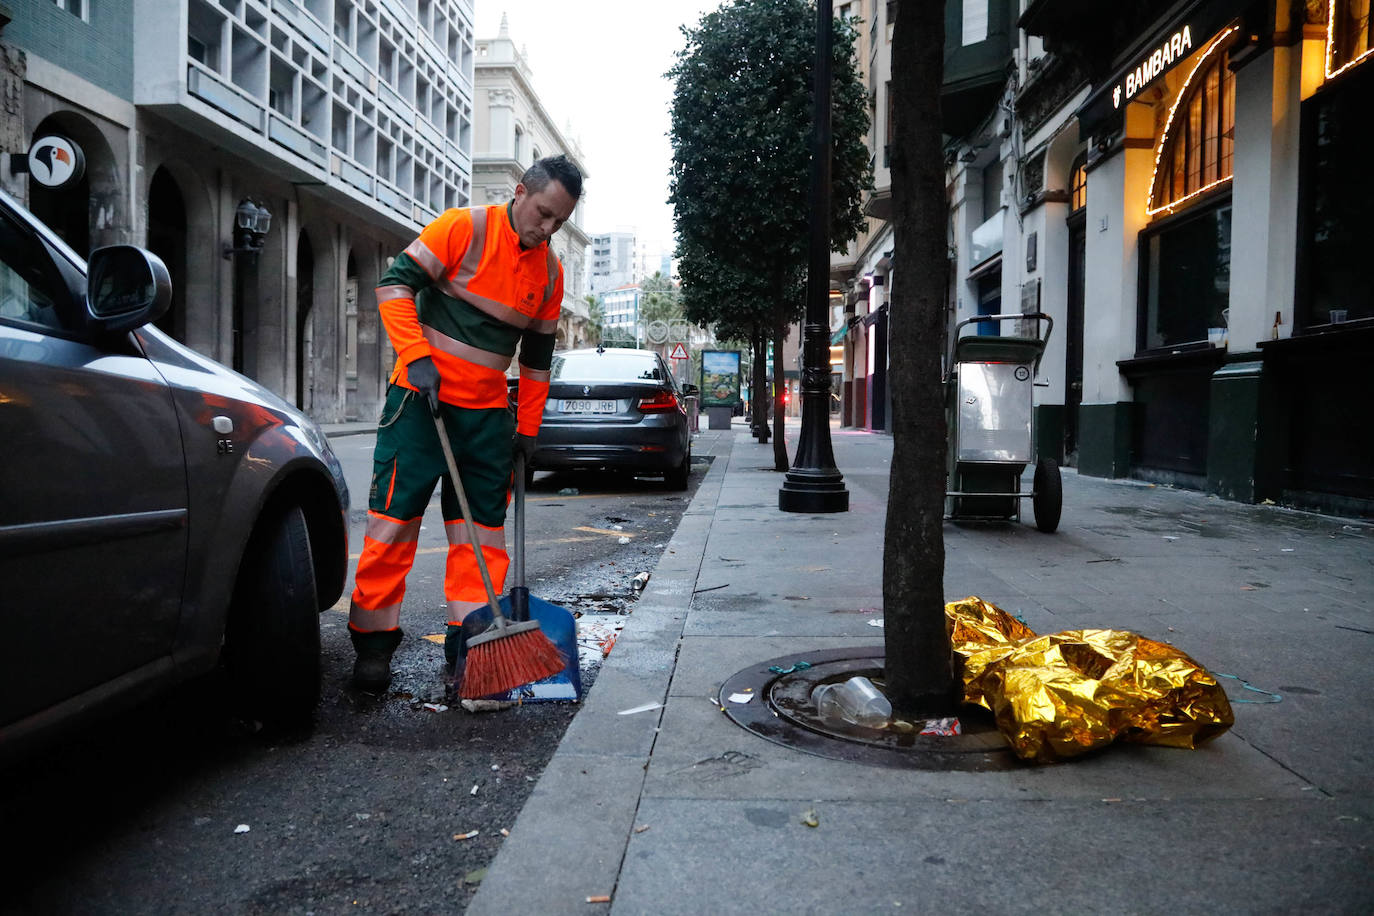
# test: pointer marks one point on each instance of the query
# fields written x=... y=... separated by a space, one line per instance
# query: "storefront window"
x=1186 y=269
x=1351 y=35
x=1079 y=180
x=1337 y=198
x=1185 y=255
x=1198 y=148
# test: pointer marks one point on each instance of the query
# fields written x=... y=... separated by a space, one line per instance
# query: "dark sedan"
x=615 y=409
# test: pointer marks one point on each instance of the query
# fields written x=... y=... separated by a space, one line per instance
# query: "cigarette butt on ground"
x=599 y=898
x=465 y=836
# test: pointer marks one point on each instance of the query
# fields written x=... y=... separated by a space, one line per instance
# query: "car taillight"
x=663 y=400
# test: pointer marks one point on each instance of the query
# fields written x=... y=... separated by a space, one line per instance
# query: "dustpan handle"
x=497 y=617
x=519 y=580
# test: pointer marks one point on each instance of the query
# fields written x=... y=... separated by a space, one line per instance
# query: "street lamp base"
x=813 y=492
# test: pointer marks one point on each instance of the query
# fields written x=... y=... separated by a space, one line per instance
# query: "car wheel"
x=272 y=641
x=676 y=479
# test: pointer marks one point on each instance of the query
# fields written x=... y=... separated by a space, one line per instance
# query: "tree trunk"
x=758 y=398
x=918 y=667
x=780 y=462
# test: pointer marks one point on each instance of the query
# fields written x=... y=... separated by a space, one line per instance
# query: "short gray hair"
x=553 y=168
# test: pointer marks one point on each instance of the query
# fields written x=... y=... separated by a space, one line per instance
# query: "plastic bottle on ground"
x=855 y=700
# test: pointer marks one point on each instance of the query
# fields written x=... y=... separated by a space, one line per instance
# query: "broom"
x=509 y=654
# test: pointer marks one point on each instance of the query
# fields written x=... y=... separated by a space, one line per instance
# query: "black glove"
x=423 y=375
x=525 y=446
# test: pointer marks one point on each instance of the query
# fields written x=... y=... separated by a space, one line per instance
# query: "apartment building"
x=274 y=154
x=614 y=260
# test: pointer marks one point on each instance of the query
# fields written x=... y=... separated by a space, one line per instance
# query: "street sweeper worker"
x=476 y=284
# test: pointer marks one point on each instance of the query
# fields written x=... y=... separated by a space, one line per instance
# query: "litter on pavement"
x=944 y=728
x=635 y=709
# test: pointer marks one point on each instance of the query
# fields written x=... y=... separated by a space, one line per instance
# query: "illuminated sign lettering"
x=1171 y=51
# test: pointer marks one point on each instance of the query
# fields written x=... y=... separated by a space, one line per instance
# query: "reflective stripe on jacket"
x=466 y=294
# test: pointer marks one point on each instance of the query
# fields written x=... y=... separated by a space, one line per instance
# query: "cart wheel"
x=1048 y=496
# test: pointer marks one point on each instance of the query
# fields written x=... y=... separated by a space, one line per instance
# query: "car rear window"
x=618 y=367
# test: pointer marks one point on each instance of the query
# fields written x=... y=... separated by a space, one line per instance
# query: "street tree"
x=741 y=134
x=918 y=673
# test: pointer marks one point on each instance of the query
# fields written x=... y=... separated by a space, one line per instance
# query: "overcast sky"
x=599 y=64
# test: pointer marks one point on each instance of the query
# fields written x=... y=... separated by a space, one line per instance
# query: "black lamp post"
x=251 y=222
x=814 y=484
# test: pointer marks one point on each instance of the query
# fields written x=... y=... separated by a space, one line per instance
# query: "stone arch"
x=196 y=294
x=320 y=330
x=94 y=213
x=368 y=336
x=167 y=238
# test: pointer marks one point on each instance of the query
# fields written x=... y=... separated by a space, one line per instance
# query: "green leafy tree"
x=741 y=135
x=918 y=673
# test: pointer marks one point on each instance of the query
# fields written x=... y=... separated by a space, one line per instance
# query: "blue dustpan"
x=557 y=623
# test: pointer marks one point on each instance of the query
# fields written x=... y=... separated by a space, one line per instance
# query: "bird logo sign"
x=56 y=162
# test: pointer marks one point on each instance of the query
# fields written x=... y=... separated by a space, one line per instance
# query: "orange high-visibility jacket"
x=466 y=294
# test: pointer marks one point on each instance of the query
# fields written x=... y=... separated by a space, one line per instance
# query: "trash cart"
x=989 y=380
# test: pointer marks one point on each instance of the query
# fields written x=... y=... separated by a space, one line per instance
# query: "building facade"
x=861 y=278
x=620 y=315
x=1188 y=200
x=335 y=129
x=513 y=130
x=1177 y=185
x=613 y=261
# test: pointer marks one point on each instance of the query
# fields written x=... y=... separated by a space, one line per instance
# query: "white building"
x=620 y=313
x=513 y=129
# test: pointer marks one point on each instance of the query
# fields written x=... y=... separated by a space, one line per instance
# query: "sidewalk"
x=679 y=810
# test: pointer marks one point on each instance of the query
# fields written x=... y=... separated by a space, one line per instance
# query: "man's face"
x=537 y=215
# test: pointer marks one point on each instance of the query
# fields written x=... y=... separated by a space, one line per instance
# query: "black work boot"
x=455 y=655
x=372 y=668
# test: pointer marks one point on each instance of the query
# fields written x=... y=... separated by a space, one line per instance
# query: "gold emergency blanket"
x=1058 y=696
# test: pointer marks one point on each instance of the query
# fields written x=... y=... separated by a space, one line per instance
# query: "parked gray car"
x=160 y=515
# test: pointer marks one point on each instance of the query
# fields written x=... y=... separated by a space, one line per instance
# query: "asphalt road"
x=180 y=808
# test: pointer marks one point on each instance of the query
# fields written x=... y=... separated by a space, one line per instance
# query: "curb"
x=601 y=762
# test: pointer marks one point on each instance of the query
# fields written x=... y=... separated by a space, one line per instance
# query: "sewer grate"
x=786 y=716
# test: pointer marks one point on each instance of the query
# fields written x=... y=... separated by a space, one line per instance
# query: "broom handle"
x=519 y=519
x=496 y=615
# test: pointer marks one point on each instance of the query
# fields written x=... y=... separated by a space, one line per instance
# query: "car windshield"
x=608 y=366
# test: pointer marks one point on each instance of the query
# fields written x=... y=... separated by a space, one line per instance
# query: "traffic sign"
x=679 y=352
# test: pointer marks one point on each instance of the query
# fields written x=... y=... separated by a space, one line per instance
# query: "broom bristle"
x=508 y=662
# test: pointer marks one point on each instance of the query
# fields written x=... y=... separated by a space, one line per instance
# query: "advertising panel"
x=720 y=378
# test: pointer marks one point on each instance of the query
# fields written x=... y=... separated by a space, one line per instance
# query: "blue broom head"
x=559 y=625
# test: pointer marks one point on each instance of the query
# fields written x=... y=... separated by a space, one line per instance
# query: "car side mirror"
x=689 y=391
x=126 y=288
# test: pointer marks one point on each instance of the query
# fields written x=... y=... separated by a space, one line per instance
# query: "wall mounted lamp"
x=251 y=222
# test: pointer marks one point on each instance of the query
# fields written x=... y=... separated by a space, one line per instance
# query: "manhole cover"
x=785 y=715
